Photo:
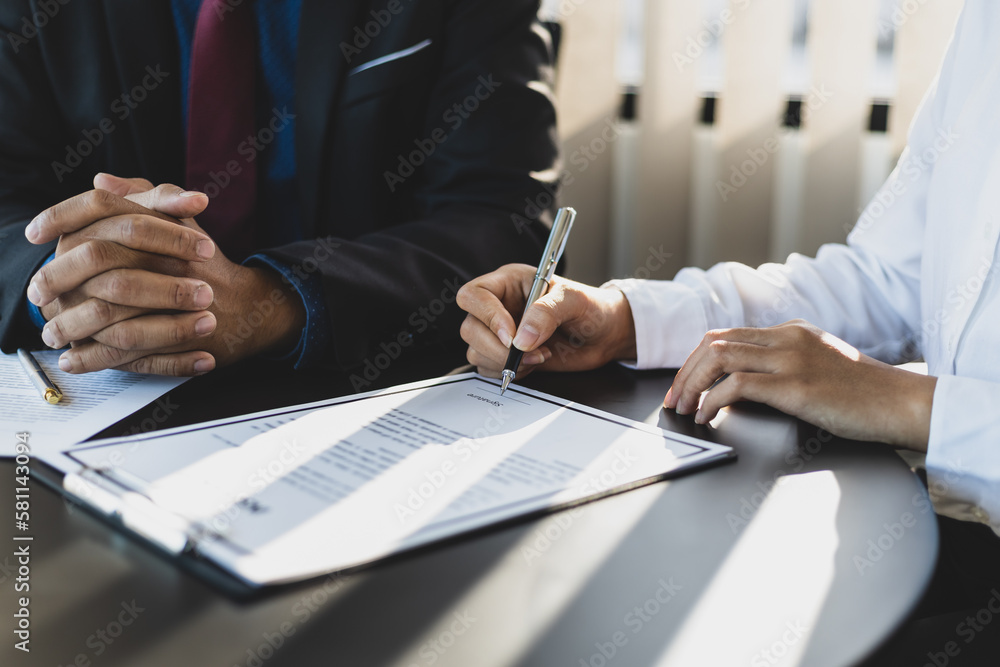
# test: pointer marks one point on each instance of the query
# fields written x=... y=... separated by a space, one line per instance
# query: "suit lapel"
x=144 y=44
x=319 y=74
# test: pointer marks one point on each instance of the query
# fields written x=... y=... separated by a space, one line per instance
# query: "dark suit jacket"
x=400 y=246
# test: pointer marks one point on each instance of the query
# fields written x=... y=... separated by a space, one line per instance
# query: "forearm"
x=833 y=291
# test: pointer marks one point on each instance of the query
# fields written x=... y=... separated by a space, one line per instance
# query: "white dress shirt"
x=918 y=276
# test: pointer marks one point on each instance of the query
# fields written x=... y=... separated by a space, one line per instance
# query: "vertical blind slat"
x=756 y=44
x=842 y=39
x=668 y=106
x=587 y=94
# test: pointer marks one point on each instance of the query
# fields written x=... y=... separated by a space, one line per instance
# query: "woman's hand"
x=808 y=373
x=573 y=327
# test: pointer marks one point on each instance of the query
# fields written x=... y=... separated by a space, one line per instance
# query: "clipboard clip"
x=128 y=500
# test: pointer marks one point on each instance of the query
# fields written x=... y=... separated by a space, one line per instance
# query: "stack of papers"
x=91 y=402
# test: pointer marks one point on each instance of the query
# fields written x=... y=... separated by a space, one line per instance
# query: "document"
x=303 y=491
x=91 y=402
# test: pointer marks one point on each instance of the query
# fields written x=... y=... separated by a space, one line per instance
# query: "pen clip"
x=556 y=244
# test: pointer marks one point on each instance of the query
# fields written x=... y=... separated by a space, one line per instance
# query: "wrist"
x=623 y=343
x=916 y=400
x=281 y=309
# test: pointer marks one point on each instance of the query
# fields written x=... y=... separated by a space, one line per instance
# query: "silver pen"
x=46 y=387
x=543 y=276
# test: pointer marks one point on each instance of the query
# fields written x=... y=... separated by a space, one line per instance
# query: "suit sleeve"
x=396 y=287
x=866 y=292
x=30 y=141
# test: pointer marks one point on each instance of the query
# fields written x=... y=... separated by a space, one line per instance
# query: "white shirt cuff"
x=669 y=321
x=962 y=466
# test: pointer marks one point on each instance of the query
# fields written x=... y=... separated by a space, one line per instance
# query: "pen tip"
x=507 y=377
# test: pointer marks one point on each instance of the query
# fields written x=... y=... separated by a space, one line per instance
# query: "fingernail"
x=192 y=193
x=699 y=418
x=533 y=358
x=34 y=296
x=680 y=409
x=31 y=231
x=526 y=337
x=666 y=399
x=65 y=364
x=205 y=249
x=203 y=296
x=504 y=337
x=48 y=338
x=204 y=365
x=205 y=325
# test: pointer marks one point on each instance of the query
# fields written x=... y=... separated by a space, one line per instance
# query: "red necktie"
x=221 y=117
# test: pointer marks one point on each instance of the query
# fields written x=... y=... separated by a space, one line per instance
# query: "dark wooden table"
x=808 y=550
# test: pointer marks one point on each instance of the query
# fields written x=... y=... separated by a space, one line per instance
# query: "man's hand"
x=572 y=327
x=116 y=260
x=808 y=373
x=117 y=299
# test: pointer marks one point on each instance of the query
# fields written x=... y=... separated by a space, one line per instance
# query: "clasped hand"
x=137 y=285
